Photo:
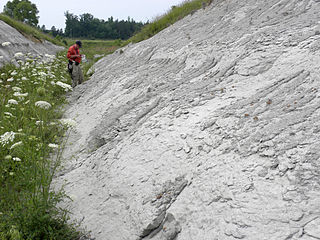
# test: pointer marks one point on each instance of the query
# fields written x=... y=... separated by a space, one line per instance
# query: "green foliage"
x=28 y=31
x=86 y=26
x=22 y=10
x=31 y=134
x=176 y=13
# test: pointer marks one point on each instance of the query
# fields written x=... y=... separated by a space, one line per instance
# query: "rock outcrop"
x=19 y=43
x=208 y=130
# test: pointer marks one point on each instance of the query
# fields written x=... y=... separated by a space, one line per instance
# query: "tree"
x=22 y=10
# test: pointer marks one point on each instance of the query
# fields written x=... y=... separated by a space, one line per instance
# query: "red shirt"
x=73 y=51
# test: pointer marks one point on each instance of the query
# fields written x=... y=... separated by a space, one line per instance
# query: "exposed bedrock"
x=19 y=43
x=208 y=130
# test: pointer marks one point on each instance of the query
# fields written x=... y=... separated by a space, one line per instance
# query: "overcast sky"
x=51 y=12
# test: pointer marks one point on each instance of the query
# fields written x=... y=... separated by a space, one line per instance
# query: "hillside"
x=19 y=43
x=208 y=130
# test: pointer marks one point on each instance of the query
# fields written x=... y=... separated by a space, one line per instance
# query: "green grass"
x=29 y=32
x=31 y=143
x=175 y=14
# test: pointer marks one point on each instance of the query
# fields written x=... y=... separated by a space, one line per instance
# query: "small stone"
x=296 y=215
x=261 y=171
x=268 y=153
x=249 y=187
x=183 y=135
x=283 y=167
x=187 y=149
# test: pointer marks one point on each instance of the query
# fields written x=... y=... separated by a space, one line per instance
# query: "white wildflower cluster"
x=52 y=145
x=4 y=44
x=68 y=122
x=20 y=95
x=39 y=122
x=12 y=102
x=43 y=104
x=16 y=159
x=65 y=86
x=1 y=57
x=14 y=73
x=10 y=79
x=16 y=89
x=19 y=55
x=7 y=138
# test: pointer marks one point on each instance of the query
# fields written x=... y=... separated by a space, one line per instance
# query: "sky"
x=51 y=12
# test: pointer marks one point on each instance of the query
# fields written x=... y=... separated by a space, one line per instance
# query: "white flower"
x=1 y=81
x=65 y=86
x=16 y=89
x=39 y=123
x=17 y=94
x=42 y=74
x=68 y=122
x=43 y=104
x=52 y=145
x=1 y=57
x=18 y=55
x=6 y=138
x=14 y=73
x=16 y=159
x=24 y=79
x=15 y=145
x=3 y=74
x=4 y=44
x=10 y=79
x=8 y=114
x=50 y=56
x=12 y=101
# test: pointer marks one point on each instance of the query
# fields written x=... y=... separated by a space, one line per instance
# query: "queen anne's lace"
x=6 y=138
x=43 y=104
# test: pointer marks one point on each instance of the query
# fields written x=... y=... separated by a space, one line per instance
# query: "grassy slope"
x=175 y=14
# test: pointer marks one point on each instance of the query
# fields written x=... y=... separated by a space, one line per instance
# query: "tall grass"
x=176 y=13
x=28 y=31
x=31 y=134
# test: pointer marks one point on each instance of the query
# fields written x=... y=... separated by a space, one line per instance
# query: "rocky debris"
x=164 y=222
x=228 y=98
x=20 y=44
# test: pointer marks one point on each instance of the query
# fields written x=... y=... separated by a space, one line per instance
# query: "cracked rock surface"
x=208 y=130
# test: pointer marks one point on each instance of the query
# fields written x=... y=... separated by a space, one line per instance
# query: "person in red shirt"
x=74 y=68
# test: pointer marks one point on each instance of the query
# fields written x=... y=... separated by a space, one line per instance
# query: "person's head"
x=79 y=44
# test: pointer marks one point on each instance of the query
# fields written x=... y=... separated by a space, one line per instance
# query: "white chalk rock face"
x=208 y=130
x=13 y=45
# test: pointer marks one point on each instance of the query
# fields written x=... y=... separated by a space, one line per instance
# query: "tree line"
x=83 y=26
x=86 y=26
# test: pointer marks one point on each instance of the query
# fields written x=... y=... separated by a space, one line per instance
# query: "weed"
x=30 y=131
